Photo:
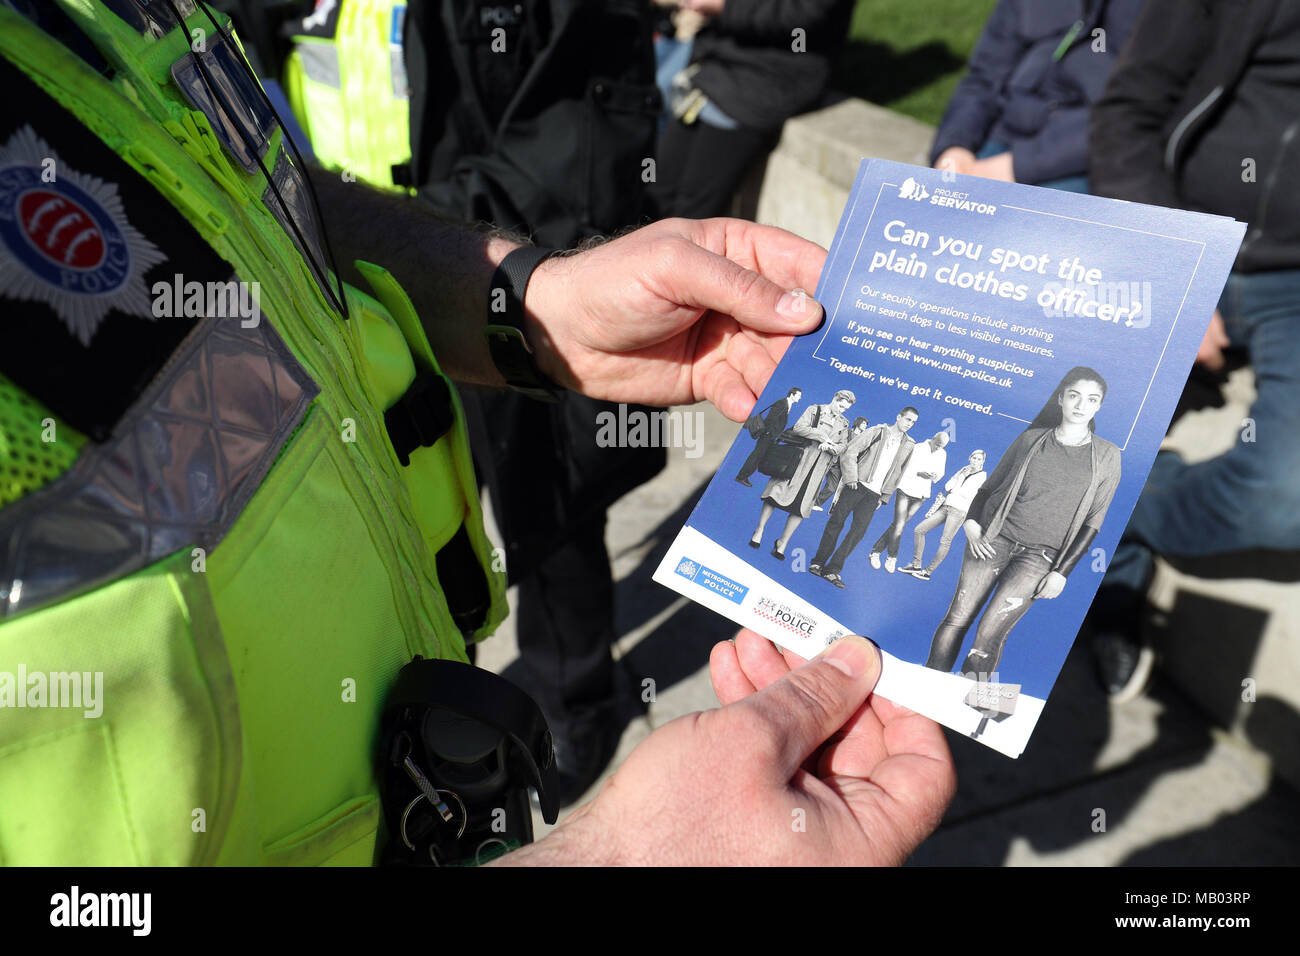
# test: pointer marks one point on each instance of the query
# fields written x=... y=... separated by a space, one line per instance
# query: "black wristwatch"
x=511 y=353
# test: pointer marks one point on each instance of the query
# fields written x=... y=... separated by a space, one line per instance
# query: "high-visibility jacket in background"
x=346 y=80
x=213 y=558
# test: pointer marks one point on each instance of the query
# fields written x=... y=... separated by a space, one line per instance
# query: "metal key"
x=427 y=788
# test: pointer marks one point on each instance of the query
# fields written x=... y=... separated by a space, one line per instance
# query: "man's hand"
x=958 y=159
x=1210 y=354
x=995 y=167
x=678 y=311
x=802 y=765
x=673 y=313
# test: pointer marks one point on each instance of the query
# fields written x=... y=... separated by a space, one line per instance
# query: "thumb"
x=711 y=281
x=802 y=709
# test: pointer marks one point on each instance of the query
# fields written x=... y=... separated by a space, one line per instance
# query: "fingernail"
x=795 y=304
x=851 y=655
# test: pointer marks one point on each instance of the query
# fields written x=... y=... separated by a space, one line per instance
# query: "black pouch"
x=460 y=749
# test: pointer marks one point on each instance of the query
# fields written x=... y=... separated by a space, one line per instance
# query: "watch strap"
x=511 y=353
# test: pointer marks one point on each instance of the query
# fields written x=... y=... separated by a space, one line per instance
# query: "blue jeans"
x=1248 y=497
x=904 y=507
x=952 y=520
x=671 y=57
x=1010 y=578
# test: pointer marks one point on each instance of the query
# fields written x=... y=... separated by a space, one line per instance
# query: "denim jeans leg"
x=922 y=528
x=978 y=577
x=1013 y=596
x=952 y=524
x=888 y=539
x=1247 y=497
x=904 y=507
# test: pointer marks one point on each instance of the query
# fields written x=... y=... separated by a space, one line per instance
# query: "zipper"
x=1185 y=123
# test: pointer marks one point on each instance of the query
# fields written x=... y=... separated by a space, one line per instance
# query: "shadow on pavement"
x=1049 y=797
x=1272 y=821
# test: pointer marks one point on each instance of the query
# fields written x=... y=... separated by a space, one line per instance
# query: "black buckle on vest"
x=421 y=416
x=403 y=175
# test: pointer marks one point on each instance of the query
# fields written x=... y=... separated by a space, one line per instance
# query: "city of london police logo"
x=65 y=239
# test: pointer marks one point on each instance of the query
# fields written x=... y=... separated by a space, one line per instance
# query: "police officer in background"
x=234 y=521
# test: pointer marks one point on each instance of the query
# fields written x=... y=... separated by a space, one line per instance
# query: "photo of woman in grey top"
x=1030 y=523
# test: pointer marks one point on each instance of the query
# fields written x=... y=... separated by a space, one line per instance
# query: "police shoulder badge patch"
x=65 y=239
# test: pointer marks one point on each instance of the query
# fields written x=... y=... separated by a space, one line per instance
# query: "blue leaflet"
x=969 y=300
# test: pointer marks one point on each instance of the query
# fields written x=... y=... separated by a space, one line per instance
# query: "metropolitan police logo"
x=65 y=239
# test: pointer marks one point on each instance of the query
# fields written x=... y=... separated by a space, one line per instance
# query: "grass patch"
x=909 y=54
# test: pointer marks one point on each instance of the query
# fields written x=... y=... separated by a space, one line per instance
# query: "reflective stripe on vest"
x=349 y=89
x=175 y=474
x=227 y=698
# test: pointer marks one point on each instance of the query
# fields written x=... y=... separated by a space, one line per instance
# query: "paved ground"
x=1172 y=788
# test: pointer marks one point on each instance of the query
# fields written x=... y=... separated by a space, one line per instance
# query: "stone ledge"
x=808 y=176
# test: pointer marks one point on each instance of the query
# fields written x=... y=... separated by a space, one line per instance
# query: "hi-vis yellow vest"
x=201 y=612
x=349 y=89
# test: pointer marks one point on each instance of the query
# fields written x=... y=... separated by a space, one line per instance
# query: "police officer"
x=481 y=78
x=237 y=496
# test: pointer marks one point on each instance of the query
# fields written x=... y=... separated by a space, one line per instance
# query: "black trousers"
x=857 y=503
x=566 y=626
x=699 y=167
x=755 y=457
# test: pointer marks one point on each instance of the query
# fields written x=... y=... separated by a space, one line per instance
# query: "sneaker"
x=910 y=568
x=921 y=574
x=834 y=579
x=815 y=569
x=875 y=560
x=891 y=564
x=1123 y=664
x=745 y=481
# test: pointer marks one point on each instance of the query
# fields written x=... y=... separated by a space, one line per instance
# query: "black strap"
x=403 y=175
x=421 y=416
x=507 y=343
x=464 y=583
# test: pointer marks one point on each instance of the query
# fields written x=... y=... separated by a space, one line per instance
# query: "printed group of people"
x=1028 y=523
x=859 y=469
